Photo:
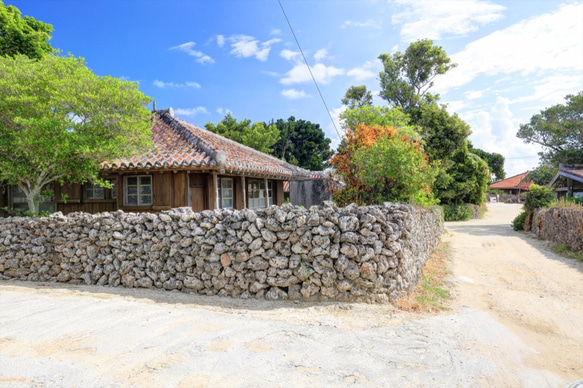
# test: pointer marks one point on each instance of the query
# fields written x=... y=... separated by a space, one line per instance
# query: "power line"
x=309 y=69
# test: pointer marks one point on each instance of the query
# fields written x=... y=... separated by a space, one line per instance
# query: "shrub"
x=519 y=221
x=380 y=164
x=537 y=197
x=455 y=212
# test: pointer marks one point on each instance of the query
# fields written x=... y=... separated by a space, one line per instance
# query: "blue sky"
x=206 y=58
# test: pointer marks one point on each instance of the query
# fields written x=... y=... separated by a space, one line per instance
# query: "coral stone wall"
x=352 y=254
x=562 y=226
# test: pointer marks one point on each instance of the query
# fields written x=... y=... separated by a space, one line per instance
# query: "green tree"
x=302 y=143
x=559 y=129
x=379 y=164
x=542 y=175
x=408 y=76
x=464 y=179
x=59 y=121
x=258 y=135
x=25 y=36
x=382 y=116
x=442 y=133
x=394 y=169
x=405 y=83
x=356 y=97
x=495 y=162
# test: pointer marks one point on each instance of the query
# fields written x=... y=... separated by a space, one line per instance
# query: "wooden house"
x=188 y=166
x=568 y=182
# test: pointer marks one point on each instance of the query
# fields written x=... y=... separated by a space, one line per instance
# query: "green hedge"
x=455 y=212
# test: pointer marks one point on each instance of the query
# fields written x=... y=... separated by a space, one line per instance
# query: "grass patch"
x=563 y=250
x=433 y=291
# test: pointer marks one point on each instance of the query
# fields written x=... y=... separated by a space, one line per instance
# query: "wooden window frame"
x=263 y=191
x=109 y=195
x=222 y=197
x=90 y=189
x=138 y=193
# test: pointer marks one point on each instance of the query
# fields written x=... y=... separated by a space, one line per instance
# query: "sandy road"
x=533 y=292
x=517 y=321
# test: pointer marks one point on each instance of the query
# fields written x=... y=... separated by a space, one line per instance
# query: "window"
x=138 y=190
x=19 y=203
x=256 y=194
x=96 y=192
x=113 y=190
x=93 y=191
x=226 y=193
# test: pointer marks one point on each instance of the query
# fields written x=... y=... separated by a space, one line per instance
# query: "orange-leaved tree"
x=380 y=165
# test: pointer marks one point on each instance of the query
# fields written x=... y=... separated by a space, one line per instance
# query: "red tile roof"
x=515 y=182
x=181 y=145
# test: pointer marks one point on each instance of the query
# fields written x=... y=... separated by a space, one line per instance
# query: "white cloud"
x=275 y=32
x=365 y=71
x=320 y=55
x=188 y=49
x=494 y=130
x=294 y=94
x=300 y=74
x=245 y=46
x=434 y=19
x=162 y=84
x=223 y=111
x=554 y=88
x=369 y=23
x=540 y=46
x=191 y=111
x=457 y=105
x=290 y=55
x=473 y=94
x=220 y=40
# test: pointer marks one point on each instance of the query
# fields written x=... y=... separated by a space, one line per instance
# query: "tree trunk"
x=33 y=199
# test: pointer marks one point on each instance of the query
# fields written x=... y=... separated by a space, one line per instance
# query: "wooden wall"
x=169 y=189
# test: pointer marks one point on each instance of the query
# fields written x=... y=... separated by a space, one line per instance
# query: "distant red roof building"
x=514 y=184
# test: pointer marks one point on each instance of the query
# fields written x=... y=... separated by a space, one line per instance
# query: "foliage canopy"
x=302 y=143
x=559 y=129
x=542 y=175
x=357 y=97
x=379 y=164
x=443 y=133
x=26 y=36
x=407 y=77
x=464 y=179
x=258 y=135
x=59 y=121
x=495 y=162
x=457 y=176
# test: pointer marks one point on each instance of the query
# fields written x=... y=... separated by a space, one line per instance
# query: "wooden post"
x=265 y=193
x=244 y=191
x=215 y=186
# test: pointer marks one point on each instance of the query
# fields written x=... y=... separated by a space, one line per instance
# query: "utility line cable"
x=309 y=69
